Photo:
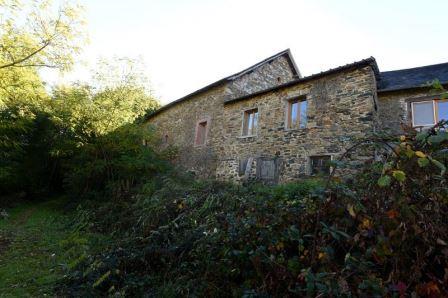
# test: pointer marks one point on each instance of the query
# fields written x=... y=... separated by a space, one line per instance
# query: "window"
x=268 y=169
x=250 y=122
x=428 y=113
x=201 y=133
x=442 y=110
x=296 y=114
x=320 y=164
x=242 y=167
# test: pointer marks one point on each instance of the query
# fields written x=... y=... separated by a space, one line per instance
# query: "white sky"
x=187 y=44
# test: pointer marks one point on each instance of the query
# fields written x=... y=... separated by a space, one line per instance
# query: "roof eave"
x=286 y=53
x=186 y=97
x=412 y=88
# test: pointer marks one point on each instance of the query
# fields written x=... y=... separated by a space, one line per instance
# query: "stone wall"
x=394 y=109
x=340 y=108
x=267 y=75
x=177 y=124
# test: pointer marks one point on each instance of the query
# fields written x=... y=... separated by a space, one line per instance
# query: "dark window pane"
x=201 y=132
x=267 y=169
x=242 y=167
x=320 y=164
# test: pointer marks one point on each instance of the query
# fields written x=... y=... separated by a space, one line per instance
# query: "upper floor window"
x=296 y=113
x=201 y=132
x=428 y=113
x=250 y=122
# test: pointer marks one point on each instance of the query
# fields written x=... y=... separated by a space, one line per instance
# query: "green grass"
x=37 y=245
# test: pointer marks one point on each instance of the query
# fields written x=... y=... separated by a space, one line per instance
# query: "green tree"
x=117 y=94
x=33 y=36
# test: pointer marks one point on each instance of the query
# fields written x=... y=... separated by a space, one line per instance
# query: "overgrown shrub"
x=28 y=142
x=381 y=234
x=112 y=164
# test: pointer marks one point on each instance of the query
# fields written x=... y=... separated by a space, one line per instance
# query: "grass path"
x=36 y=246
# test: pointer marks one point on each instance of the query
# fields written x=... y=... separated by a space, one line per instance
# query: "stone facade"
x=395 y=110
x=342 y=105
x=177 y=125
x=340 y=109
x=267 y=75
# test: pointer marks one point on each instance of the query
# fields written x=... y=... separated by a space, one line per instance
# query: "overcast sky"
x=187 y=44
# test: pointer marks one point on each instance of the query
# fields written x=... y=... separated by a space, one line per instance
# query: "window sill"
x=199 y=145
x=422 y=127
x=296 y=129
x=246 y=137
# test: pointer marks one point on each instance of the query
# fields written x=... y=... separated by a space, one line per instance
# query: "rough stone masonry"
x=270 y=123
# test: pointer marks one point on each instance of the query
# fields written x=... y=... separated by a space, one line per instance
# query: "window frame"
x=243 y=124
x=310 y=163
x=435 y=104
x=413 y=103
x=288 y=112
x=277 y=163
x=436 y=111
x=196 y=133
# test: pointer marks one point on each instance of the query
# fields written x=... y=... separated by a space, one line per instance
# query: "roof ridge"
x=370 y=59
x=418 y=67
x=232 y=77
x=258 y=64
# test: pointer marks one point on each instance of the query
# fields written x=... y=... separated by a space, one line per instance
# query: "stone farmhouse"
x=268 y=122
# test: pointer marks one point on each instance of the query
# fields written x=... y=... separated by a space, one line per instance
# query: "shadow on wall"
x=202 y=161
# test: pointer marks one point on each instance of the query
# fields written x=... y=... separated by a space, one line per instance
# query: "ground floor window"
x=268 y=169
x=428 y=113
x=320 y=164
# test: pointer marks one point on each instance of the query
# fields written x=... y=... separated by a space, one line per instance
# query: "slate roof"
x=357 y=64
x=412 y=77
x=286 y=53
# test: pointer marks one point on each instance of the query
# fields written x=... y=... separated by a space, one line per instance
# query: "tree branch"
x=36 y=65
x=16 y=62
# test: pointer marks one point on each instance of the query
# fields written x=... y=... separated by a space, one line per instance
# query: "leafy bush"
x=45 y=139
x=27 y=144
x=372 y=236
x=112 y=164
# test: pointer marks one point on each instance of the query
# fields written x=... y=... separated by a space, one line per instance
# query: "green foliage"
x=85 y=134
x=37 y=245
x=371 y=236
x=117 y=94
x=33 y=35
x=115 y=163
x=26 y=161
x=44 y=137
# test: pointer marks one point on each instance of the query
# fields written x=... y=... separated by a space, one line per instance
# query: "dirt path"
x=29 y=239
x=7 y=235
x=37 y=246
x=4 y=243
